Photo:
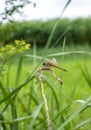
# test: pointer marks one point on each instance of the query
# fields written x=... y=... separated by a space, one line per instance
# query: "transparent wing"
x=54 y=61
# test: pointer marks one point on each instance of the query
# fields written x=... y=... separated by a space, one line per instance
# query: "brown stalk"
x=45 y=101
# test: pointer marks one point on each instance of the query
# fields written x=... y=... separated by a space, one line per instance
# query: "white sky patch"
x=2 y=3
x=46 y=9
x=78 y=11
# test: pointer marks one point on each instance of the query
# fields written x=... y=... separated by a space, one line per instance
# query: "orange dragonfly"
x=51 y=64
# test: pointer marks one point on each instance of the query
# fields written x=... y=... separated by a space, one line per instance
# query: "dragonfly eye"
x=44 y=64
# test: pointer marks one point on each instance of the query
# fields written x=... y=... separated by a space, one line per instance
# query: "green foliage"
x=21 y=105
x=87 y=76
x=76 y=31
x=8 y=52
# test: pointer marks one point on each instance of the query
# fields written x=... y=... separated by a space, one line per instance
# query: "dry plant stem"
x=43 y=94
x=45 y=102
x=57 y=78
x=54 y=75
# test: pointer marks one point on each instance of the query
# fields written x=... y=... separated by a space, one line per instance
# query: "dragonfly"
x=51 y=64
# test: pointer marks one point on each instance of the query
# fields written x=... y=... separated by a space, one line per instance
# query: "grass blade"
x=14 y=125
x=82 y=124
x=11 y=95
x=68 y=53
x=35 y=115
x=78 y=111
x=57 y=41
x=50 y=84
x=87 y=76
x=54 y=28
x=3 y=90
x=68 y=2
x=18 y=75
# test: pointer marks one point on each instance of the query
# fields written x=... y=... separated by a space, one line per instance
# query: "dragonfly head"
x=44 y=64
x=47 y=64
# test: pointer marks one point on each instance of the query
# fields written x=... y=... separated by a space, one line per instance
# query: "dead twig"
x=45 y=101
x=47 y=67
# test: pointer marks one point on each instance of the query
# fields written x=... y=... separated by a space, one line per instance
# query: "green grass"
x=21 y=103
